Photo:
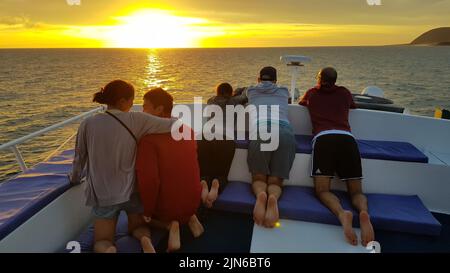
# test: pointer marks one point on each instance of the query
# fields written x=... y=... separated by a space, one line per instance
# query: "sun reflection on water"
x=154 y=68
x=157 y=76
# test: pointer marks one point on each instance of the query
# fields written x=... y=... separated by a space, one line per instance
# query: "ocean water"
x=39 y=87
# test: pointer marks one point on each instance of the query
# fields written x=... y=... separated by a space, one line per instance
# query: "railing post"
x=13 y=144
x=19 y=158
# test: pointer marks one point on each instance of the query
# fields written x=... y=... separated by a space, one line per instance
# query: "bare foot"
x=147 y=245
x=367 y=233
x=195 y=226
x=104 y=247
x=111 y=249
x=272 y=215
x=205 y=191
x=259 y=211
x=347 y=223
x=174 y=243
x=213 y=194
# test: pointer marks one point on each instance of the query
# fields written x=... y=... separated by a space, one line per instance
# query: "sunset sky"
x=216 y=23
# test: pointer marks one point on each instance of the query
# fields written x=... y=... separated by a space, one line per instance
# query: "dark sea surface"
x=40 y=87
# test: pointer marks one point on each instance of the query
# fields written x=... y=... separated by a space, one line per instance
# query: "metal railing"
x=12 y=145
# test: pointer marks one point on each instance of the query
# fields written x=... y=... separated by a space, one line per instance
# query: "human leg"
x=359 y=201
x=259 y=187
x=323 y=193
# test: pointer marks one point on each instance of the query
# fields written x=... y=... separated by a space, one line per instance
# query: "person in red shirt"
x=335 y=151
x=168 y=175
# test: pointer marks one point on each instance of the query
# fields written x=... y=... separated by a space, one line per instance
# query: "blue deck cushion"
x=369 y=149
x=388 y=212
x=124 y=242
x=391 y=150
x=28 y=193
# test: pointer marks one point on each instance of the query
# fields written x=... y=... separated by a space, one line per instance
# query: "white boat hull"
x=49 y=230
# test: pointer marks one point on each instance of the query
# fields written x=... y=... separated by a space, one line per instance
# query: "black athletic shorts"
x=336 y=154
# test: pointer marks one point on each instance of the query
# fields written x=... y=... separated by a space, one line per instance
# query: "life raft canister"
x=372 y=98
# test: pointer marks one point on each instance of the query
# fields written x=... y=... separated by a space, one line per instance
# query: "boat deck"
x=227 y=232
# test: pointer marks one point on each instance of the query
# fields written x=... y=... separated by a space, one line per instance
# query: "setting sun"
x=155 y=29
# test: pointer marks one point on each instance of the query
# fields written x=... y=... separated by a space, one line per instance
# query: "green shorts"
x=133 y=206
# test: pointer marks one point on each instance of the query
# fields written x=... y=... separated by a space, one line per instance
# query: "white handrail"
x=48 y=129
x=13 y=144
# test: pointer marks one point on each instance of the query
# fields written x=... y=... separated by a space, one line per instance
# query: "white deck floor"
x=302 y=237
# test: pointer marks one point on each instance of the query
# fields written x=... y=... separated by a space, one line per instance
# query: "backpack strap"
x=123 y=124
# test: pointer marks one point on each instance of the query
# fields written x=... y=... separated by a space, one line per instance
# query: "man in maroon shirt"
x=335 y=151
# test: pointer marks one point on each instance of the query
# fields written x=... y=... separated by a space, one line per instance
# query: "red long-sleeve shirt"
x=168 y=177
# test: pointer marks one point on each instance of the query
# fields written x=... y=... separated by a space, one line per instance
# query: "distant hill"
x=437 y=36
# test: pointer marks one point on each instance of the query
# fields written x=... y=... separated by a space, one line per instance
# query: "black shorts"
x=336 y=154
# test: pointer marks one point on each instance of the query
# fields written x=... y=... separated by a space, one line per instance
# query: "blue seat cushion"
x=124 y=242
x=369 y=149
x=388 y=212
x=25 y=195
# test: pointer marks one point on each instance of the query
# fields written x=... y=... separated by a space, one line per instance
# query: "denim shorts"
x=133 y=206
x=277 y=163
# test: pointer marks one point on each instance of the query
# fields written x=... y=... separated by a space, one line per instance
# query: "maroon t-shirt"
x=328 y=108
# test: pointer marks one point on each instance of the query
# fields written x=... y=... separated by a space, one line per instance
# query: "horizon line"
x=156 y=48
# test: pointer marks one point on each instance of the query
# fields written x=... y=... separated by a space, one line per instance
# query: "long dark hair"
x=113 y=92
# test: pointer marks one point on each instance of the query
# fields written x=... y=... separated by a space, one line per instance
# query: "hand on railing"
x=69 y=176
x=75 y=183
